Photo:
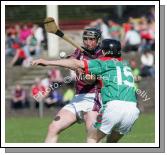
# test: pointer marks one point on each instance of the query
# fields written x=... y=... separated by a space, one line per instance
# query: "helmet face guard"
x=111 y=47
x=92 y=33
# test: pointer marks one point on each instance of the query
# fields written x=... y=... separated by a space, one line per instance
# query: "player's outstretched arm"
x=67 y=63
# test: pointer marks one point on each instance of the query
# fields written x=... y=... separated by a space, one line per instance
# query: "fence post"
x=41 y=108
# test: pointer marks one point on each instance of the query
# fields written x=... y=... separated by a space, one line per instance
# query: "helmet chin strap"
x=88 y=52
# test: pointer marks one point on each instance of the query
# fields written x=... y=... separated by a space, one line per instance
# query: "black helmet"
x=111 y=47
x=92 y=33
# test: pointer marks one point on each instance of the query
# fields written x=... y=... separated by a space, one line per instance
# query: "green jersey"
x=117 y=79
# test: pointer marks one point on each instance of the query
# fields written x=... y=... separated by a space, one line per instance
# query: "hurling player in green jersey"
x=119 y=110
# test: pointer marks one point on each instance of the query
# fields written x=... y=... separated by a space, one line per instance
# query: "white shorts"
x=81 y=103
x=118 y=116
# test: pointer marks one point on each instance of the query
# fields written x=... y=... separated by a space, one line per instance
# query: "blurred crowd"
x=23 y=41
x=136 y=35
x=22 y=44
x=45 y=90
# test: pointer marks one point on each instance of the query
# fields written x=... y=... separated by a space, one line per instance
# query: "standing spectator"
x=147 y=60
x=19 y=98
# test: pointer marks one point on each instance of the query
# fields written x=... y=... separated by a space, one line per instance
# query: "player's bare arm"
x=67 y=63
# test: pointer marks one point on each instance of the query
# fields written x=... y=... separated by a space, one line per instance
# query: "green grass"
x=143 y=130
x=34 y=130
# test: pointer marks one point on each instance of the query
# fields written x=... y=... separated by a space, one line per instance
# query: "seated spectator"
x=73 y=77
x=32 y=48
x=127 y=26
x=46 y=81
x=68 y=95
x=25 y=32
x=147 y=68
x=38 y=92
x=148 y=38
x=54 y=99
x=19 y=57
x=151 y=15
x=19 y=98
x=135 y=71
x=11 y=39
x=27 y=62
x=96 y=23
x=132 y=40
x=115 y=31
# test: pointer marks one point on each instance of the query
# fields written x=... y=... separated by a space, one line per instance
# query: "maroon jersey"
x=81 y=86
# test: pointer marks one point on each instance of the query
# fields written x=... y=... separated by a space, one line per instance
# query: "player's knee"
x=54 y=128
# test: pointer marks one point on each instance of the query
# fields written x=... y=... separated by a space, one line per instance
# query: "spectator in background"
x=96 y=23
x=151 y=15
x=127 y=25
x=17 y=28
x=33 y=42
x=19 y=56
x=115 y=30
x=68 y=95
x=105 y=27
x=31 y=47
x=19 y=98
x=55 y=76
x=147 y=60
x=38 y=33
x=11 y=38
x=148 y=36
x=73 y=77
x=54 y=99
x=38 y=92
x=25 y=32
x=46 y=81
x=135 y=71
x=132 y=40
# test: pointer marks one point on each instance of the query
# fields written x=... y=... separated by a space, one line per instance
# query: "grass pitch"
x=34 y=130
